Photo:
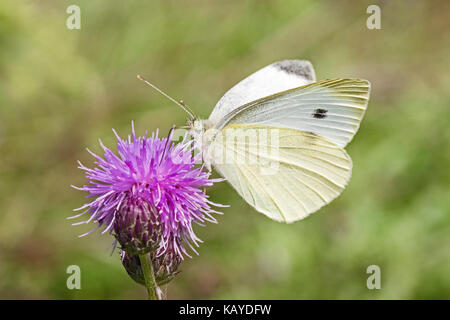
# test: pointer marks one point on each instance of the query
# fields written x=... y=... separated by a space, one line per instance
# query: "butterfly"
x=278 y=137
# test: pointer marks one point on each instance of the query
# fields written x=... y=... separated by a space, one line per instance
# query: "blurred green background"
x=61 y=90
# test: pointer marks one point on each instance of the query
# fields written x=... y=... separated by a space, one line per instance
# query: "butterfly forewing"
x=274 y=78
x=332 y=109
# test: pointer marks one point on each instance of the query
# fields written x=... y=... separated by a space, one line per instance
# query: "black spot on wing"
x=298 y=67
x=320 y=113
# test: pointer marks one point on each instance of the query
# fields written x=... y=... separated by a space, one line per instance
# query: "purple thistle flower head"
x=149 y=195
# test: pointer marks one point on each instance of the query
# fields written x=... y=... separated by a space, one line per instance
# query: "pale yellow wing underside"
x=332 y=109
x=283 y=173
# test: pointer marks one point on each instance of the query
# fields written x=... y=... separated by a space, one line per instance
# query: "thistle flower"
x=148 y=196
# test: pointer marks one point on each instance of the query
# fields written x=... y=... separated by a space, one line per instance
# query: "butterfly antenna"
x=181 y=103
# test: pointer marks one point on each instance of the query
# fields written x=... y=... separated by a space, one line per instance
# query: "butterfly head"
x=196 y=129
x=197 y=125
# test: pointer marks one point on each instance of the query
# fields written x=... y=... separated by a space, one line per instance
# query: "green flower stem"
x=149 y=276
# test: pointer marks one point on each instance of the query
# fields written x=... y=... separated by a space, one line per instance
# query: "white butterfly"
x=281 y=115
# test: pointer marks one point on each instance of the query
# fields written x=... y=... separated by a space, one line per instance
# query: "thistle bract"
x=165 y=266
x=148 y=196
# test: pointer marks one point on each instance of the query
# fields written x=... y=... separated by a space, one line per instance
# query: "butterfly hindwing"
x=283 y=173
